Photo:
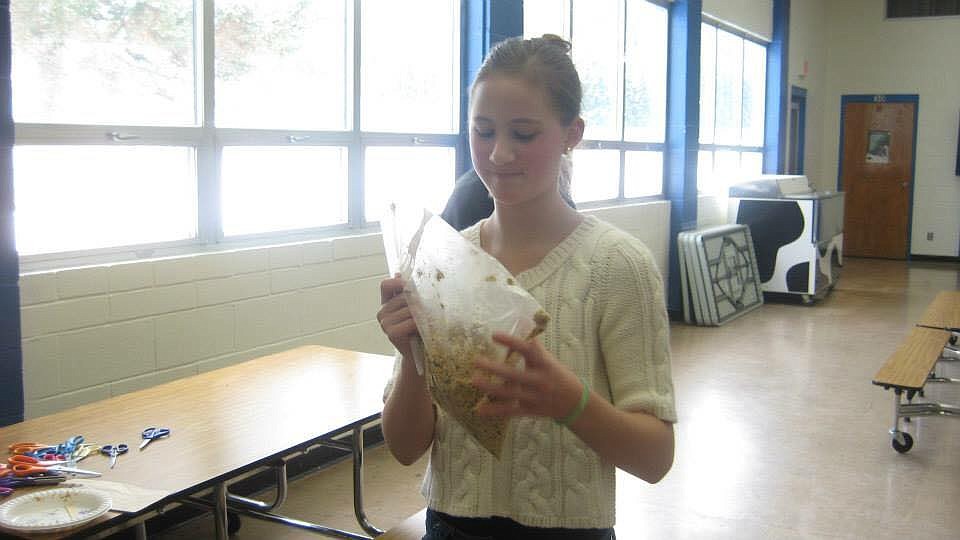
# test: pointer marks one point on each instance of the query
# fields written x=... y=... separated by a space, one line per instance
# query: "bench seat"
x=910 y=365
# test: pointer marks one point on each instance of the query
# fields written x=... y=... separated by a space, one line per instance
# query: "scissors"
x=68 y=447
x=83 y=451
x=113 y=452
x=30 y=448
x=14 y=481
x=22 y=465
x=152 y=433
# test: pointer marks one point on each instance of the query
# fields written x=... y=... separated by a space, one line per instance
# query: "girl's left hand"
x=544 y=388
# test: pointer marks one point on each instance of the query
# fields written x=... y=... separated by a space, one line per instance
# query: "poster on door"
x=878 y=147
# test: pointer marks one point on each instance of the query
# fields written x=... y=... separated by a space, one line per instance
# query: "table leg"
x=220 y=511
x=358 y=483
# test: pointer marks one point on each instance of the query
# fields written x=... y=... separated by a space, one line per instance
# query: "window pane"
x=412 y=176
x=297 y=51
x=410 y=84
x=645 y=101
x=754 y=92
x=600 y=180
x=751 y=164
x=85 y=197
x=119 y=62
x=729 y=87
x=643 y=174
x=708 y=82
x=546 y=17
x=704 y=170
x=726 y=169
x=269 y=189
x=598 y=54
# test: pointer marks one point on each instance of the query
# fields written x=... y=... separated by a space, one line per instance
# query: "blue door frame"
x=798 y=97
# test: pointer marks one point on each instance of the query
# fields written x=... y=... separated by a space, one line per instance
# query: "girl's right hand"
x=394 y=316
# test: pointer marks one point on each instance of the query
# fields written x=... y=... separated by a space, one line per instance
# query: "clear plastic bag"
x=459 y=296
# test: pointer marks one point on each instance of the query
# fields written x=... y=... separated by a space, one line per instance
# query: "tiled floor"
x=781 y=433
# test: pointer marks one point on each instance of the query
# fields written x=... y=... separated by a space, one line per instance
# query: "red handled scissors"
x=22 y=465
x=31 y=448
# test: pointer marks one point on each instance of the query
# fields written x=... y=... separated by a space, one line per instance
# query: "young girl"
x=596 y=392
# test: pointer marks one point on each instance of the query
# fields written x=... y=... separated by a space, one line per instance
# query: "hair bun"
x=557 y=41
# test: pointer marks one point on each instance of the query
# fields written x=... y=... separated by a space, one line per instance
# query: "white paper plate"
x=53 y=510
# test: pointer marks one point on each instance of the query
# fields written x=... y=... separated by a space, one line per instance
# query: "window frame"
x=208 y=141
x=714 y=147
x=623 y=146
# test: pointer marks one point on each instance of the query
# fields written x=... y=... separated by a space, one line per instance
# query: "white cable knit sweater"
x=609 y=324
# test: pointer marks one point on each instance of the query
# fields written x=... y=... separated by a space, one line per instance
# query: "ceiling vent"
x=902 y=9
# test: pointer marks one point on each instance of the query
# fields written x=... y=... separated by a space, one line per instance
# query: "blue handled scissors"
x=113 y=451
x=152 y=433
x=15 y=481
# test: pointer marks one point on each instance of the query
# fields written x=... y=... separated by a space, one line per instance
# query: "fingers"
x=390 y=288
x=531 y=349
x=509 y=374
x=501 y=408
x=509 y=391
x=394 y=315
x=522 y=346
x=506 y=393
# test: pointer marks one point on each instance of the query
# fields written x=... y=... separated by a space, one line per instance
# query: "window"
x=922 y=8
x=153 y=125
x=624 y=76
x=732 y=94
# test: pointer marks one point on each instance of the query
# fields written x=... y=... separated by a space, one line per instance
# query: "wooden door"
x=877 y=177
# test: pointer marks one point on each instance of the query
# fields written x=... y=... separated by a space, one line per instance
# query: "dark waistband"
x=441 y=526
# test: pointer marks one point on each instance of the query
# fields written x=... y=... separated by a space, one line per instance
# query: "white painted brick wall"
x=153 y=301
x=38 y=288
x=41 y=367
x=94 y=332
x=59 y=316
x=268 y=320
x=107 y=353
x=223 y=290
x=129 y=276
x=185 y=338
x=82 y=282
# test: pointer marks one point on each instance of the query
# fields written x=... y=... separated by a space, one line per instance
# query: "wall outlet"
x=930 y=236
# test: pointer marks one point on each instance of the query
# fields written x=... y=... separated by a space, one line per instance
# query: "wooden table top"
x=223 y=420
x=944 y=311
x=910 y=364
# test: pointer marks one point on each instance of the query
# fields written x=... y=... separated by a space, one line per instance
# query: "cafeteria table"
x=226 y=425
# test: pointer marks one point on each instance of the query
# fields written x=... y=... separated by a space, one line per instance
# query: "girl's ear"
x=575 y=133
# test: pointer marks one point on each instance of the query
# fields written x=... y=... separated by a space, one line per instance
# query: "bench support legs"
x=225 y=505
x=903 y=441
x=900 y=439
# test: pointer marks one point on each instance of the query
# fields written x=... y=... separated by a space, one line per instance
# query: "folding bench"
x=908 y=369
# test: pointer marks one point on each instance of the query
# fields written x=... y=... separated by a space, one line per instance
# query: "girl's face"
x=516 y=139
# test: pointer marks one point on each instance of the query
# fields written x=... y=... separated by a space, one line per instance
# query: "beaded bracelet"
x=578 y=410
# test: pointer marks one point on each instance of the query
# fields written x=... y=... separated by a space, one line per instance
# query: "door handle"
x=905 y=183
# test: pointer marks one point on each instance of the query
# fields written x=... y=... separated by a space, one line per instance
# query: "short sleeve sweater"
x=609 y=324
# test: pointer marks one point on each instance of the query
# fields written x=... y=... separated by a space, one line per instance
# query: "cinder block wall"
x=94 y=332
